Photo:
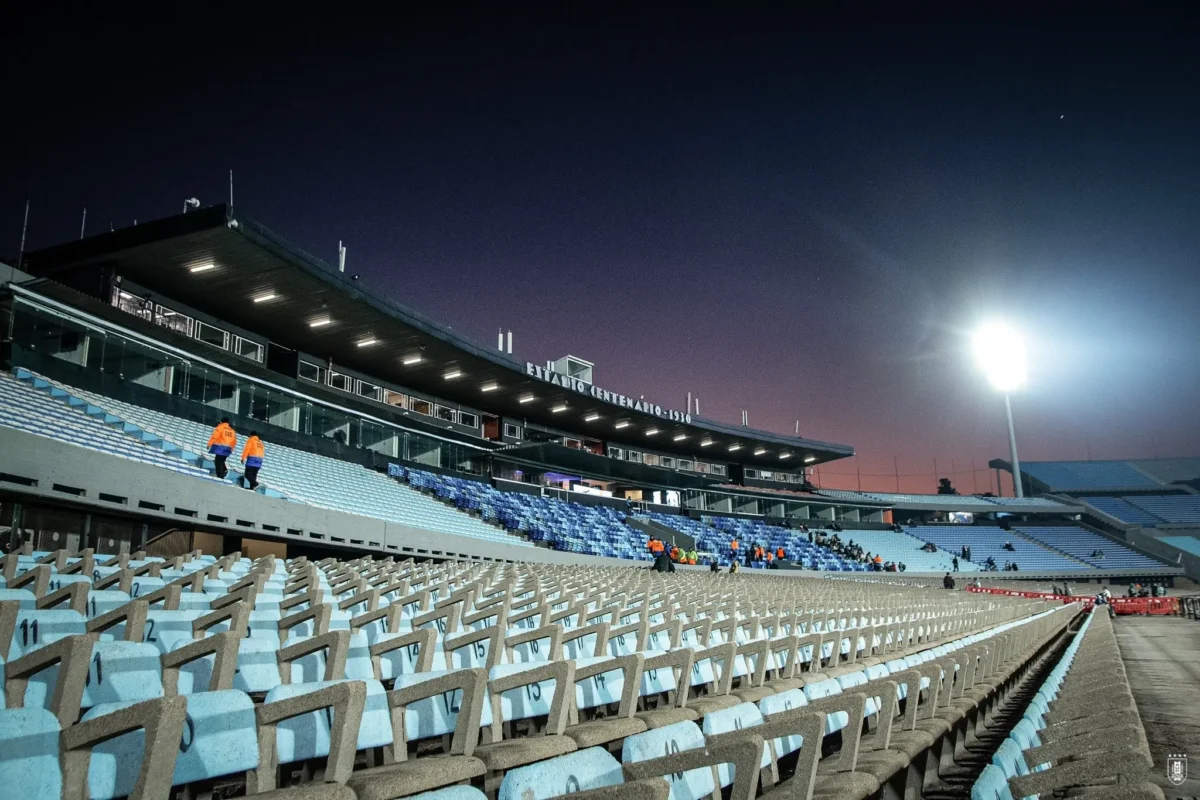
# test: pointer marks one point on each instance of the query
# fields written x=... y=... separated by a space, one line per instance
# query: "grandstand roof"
x=249 y=261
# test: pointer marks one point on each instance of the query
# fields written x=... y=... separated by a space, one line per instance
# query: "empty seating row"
x=390 y=679
x=1081 y=733
x=1081 y=543
x=986 y=541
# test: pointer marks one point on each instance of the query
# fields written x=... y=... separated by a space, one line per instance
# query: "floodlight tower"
x=1000 y=353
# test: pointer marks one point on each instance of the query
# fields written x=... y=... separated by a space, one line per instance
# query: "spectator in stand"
x=947 y=582
x=252 y=457
x=1009 y=547
x=810 y=537
x=968 y=553
x=902 y=567
x=712 y=565
x=221 y=443
x=662 y=562
x=878 y=562
x=770 y=559
x=954 y=563
x=733 y=567
x=780 y=554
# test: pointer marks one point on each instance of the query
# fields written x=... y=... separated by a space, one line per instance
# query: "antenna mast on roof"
x=24 y=226
x=231 y=188
x=83 y=222
x=341 y=256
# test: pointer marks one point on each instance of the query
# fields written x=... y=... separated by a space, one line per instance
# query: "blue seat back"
x=307 y=736
x=693 y=784
x=29 y=754
x=778 y=703
x=122 y=672
x=220 y=737
x=739 y=717
x=593 y=768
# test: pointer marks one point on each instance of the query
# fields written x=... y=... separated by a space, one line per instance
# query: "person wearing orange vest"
x=733 y=548
x=252 y=457
x=674 y=553
x=221 y=444
x=779 y=554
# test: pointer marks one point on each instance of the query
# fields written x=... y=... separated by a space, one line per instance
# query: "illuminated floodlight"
x=320 y=323
x=558 y=409
x=489 y=387
x=734 y=447
x=651 y=431
x=784 y=456
x=622 y=424
x=452 y=374
x=201 y=268
x=706 y=442
x=368 y=342
x=264 y=298
x=760 y=451
x=1000 y=354
x=679 y=437
x=591 y=417
x=526 y=398
x=810 y=459
x=410 y=360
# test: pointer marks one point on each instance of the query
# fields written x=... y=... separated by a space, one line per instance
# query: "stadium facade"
x=159 y=330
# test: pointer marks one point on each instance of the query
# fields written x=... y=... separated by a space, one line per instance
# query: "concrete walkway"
x=1162 y=659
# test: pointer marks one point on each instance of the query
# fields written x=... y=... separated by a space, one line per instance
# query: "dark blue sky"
x=798 y=214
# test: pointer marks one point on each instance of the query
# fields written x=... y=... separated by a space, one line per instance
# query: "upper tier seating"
x=989 y=541
x=1083 y=475
x=1174 y=508
x=1120 y=508
x=933 y=500
x=378 y=679
x=306 y=477
x=1081 y=543
x=1170 y=470
x=575 y=528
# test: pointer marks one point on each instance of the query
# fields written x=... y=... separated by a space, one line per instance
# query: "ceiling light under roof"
x=591 y=417
x=706 y=442
x=651 y=431
x=368 y=342
x=810 y=459
x=734 y=447
x=622 y=424
x=679 y=437
x=452 y=374
x=489 y=387
x=783 y=456
x=559 y=408
x=264 y=297
x=760 y=451
x=410 y=360
x=526 y=398
x=201 y=268
x=320 y=323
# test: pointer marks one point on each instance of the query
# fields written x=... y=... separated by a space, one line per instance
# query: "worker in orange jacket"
x=252 y=457
x=733 y=550
x=221 y=444
x=779 y=554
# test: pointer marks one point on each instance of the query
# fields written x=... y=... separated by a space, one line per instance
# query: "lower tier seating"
x=986 y=542
x=384 y=679
x=1081 y=734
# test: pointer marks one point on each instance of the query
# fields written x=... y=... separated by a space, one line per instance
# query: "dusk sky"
x=803 y=215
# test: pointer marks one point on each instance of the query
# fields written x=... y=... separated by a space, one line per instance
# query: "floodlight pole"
x=1012 y=446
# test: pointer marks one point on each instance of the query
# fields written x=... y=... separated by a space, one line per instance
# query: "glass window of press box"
x=148 y=372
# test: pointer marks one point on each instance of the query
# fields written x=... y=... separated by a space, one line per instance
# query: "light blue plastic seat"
x=693 y=784
x=991 y=785
x=593 y=768
x=122 y=672
x=739 y=717
x=776 y=704
x=29 y=749
x=307 y=736
x=827 y=688
x=220 y=737
x=452 y=793
x=1009 y=759
x=38 y=628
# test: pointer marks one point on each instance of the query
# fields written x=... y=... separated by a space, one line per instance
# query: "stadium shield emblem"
x=1177 y=769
